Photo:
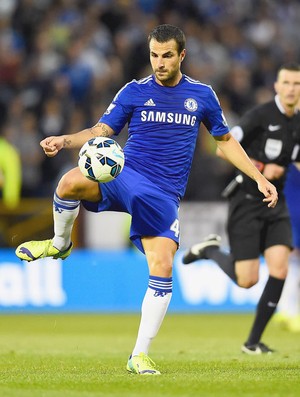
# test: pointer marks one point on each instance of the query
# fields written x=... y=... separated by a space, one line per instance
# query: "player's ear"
x=276 y=87
x=182 y=55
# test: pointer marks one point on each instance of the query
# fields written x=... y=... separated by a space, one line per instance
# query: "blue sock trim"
x=64 y=204
x=161 y=284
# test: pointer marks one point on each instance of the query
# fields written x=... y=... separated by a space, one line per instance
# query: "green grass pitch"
x=70 y=355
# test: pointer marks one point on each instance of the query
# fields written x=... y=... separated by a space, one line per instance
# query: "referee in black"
x=270 y=134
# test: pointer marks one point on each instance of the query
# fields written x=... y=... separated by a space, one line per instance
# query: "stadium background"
x=64 y=60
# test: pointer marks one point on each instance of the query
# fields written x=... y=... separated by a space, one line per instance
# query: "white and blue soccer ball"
x=101 y=159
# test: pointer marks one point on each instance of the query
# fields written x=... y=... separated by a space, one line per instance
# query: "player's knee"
x=67 y=187
x=161 y=267
x=279 y=272
x=247 y=282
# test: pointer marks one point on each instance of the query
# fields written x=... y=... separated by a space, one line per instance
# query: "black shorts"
x=253 y=227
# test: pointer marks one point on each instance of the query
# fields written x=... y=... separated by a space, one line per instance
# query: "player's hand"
x=52 y=145
x=269 y=191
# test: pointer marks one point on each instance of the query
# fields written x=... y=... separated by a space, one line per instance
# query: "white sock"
x=289 y=301
x=154 y=308
x=64 y=214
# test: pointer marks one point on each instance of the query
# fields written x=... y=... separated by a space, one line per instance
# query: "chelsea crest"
x=191 y=105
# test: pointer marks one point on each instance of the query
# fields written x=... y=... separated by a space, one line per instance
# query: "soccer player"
x=10 y=174
x=163 y=112
x=270 y=134
x=288 y=313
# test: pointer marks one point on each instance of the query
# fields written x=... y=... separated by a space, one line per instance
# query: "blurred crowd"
x=62 y=61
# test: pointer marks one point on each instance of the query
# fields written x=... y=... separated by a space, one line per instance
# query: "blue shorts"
x=154 y=212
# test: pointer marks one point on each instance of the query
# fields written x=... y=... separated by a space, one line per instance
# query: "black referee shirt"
x=269 y=136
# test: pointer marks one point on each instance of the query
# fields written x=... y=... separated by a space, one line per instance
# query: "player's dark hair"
x=164 y=33
x=292 y=66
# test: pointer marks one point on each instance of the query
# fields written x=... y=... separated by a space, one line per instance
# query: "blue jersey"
x=163 y=124
x=292 y=195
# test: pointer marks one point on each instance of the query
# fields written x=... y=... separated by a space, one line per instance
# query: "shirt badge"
x=191 y=105
x=273 y=148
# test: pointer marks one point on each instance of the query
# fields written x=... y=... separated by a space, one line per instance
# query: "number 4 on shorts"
x=175 y=227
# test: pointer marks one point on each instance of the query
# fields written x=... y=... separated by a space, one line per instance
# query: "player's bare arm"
x=233 y=152
x=53 y=144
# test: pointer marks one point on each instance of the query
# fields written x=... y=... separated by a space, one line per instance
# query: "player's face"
x=166 y=61
x=287 y=87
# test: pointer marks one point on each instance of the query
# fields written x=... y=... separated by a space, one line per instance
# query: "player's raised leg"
x=72 y=188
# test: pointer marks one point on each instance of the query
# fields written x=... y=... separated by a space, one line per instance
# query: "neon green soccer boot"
x=141 y=365
x=32 y=250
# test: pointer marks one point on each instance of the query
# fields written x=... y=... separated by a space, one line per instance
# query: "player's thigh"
x=154 y=214
x=247 y=272
x=277 y=259
x=244 y=229
x=73 y=185
x=160 y=253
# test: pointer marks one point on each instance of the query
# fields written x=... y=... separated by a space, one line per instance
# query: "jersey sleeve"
x=214 y=119
x=120 y=110
x=248 y=125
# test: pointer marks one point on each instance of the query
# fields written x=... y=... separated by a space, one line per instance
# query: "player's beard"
x=168 y=78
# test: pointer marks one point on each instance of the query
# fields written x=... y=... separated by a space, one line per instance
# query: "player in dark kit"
x=163 y=112
x=270 y=134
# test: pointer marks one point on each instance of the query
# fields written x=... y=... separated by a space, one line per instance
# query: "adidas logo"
x=150 y=102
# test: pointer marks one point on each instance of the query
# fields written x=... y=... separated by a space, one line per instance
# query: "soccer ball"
x=101 y=159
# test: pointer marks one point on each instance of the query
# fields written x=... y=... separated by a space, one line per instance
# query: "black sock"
x=265 y=308
x=224 y=260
